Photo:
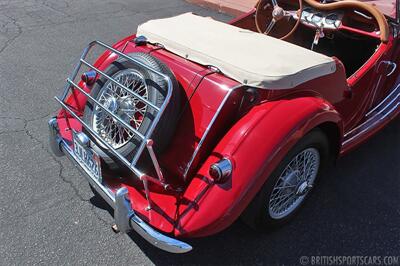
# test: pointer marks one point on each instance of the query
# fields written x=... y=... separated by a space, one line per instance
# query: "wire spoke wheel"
x=294 y=183
x=142 y=115
x=123 y=104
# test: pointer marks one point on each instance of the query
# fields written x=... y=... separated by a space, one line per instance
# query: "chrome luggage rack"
x=145 y=139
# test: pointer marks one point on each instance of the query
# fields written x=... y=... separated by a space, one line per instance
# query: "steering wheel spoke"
x=270 y=26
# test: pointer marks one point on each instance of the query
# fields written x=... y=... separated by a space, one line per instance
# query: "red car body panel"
x=255 y=138
x=255 y=144
x=197 y=82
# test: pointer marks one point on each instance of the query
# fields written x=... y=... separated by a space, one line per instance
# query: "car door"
x=365 y=87
x=377 y=78
x=389 y=71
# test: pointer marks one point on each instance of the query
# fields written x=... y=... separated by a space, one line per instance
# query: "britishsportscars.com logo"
x=349 y=260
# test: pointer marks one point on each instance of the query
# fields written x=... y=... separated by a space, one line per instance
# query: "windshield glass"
x=387 y=7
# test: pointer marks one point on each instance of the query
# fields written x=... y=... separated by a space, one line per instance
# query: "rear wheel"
x=287 y=188
x=129 y=108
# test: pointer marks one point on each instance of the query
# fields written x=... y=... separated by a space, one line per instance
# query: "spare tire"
x=140 y=116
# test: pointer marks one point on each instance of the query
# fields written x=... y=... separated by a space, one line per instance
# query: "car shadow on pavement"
x=354 y=211
x=100 y=203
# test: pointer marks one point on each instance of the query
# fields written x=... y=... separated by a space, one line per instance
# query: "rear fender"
x=255 y=144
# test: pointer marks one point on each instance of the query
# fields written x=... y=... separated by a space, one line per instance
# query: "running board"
x=383 y=110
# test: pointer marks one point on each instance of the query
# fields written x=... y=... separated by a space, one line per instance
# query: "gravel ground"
x=47 y=212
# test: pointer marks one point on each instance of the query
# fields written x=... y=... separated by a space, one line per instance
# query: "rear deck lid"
x=248 y=57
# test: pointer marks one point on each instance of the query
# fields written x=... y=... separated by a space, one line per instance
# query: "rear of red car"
x=153 y=188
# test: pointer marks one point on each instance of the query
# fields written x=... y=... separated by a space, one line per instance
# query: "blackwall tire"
x=258 y=214
x=156 y=92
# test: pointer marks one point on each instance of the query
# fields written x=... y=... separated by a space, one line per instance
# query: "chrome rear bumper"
x=125 y=218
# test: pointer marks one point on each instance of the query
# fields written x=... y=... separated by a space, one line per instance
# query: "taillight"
x=221 y=170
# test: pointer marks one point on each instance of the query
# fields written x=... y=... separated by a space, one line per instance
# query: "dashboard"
x=317 y=19
x=355 y=18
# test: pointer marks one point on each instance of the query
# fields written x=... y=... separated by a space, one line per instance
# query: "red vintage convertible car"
x=192 y=123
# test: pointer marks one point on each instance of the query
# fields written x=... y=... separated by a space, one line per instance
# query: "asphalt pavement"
x=48 y=214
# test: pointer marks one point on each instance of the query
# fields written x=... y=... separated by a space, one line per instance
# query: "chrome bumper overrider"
x=125 y=217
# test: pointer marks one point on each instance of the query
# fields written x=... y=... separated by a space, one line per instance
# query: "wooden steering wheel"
x=269 y=14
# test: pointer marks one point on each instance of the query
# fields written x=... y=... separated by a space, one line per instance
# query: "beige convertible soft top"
x=245 y=56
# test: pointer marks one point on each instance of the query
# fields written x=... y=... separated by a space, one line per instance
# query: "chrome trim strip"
x=383 y=101
x=390 y=107
x=390 y=111
x=125 y=217
x=196 y=151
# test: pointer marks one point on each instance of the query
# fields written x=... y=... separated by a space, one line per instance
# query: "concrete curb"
x=231 y=7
